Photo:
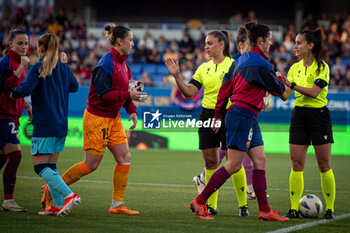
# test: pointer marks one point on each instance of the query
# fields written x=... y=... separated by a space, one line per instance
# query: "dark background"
x=277 y=12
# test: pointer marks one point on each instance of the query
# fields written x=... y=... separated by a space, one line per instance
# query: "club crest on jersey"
x=248 y=144
x=310 y=79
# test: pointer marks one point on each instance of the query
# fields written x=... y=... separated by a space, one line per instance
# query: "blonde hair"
x=50 y=43
x=112 y=32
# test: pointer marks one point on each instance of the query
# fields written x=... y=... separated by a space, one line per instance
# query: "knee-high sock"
x=9 y=175
x=296 y=188
x=248 y=167
x=240 y=184
x=3 y=160
x=120 y=181
x=328 y=188
x=75 y=172
x=54 y=181
x=57 y=198
x=259 y=184
x=216 y=181
x=213 y=199
x=221 y=157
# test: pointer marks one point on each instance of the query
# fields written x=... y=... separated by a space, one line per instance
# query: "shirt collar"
x=117 y=55
x=313 y=63
x=257 y=50
x=14 y=55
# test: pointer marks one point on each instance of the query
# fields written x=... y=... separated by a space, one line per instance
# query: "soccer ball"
x=310 y=206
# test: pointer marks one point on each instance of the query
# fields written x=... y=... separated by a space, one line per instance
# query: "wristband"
x=292 y=85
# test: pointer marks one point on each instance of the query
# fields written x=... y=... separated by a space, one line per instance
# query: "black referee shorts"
x=207 y=137
x=310 y=126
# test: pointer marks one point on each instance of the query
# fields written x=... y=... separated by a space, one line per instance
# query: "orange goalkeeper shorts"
x=101 y=132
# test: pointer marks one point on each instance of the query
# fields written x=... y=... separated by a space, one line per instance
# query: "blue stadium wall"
x=274 y=124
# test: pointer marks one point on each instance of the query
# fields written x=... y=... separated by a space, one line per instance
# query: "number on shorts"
x=105 y=133
x=13 y=125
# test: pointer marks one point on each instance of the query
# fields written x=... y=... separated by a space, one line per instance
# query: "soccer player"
x=249 y=77
x=199 y=181
x=311 y=119
x=243 y=46
x=49 y=82
x=102 y=126
x=12 y=71
x=210 y=75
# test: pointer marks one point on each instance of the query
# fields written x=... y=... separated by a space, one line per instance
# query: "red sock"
x=9 y=175
x=3 y=160
x=259 y=185
x=216 y=181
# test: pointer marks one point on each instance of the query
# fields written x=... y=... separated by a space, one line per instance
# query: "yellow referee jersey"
x=210 y=75
x=305 y=77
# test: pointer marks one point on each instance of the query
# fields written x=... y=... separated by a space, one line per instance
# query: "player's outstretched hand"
x=138 y=96
x=64 y=57
x=173 y=66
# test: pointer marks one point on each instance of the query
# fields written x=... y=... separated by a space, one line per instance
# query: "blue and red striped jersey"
x=109 y=86
x=10 y=108
x=246 y=82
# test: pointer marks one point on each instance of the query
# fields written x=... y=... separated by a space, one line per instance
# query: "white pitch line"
x=310 y=224
x=170 y=185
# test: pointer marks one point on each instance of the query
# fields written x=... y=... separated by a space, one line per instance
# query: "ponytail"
x=241 y=34
x=227 y=50
x=12 y=35
x=315 y=37
x=223 y=36
x=50 y=44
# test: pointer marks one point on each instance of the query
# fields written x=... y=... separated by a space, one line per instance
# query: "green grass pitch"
x=160 y=187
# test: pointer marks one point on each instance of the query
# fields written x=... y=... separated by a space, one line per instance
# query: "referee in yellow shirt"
x=311 y=120
x=209 y=75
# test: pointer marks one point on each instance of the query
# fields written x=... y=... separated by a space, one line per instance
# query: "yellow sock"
x=240 y=183
x=213 y=199
x=120 y=180
x=296 y=188
x=75 y=172
x=328 y=188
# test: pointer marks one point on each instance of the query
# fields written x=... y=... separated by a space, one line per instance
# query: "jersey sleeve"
x=290 y=75
x=324 y=73
x=225 y=92
x=28 y=84
x=198 y=74
x=73 y=83
x=8 y=79
x=270 y=82
x=129 y=106
x=102 y=79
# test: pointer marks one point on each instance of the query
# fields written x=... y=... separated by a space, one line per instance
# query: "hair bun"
x=109 y=27
x=251 y=25
x=241 y=30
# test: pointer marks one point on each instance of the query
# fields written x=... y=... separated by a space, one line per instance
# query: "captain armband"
x=321 y=83
x=196 y=83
